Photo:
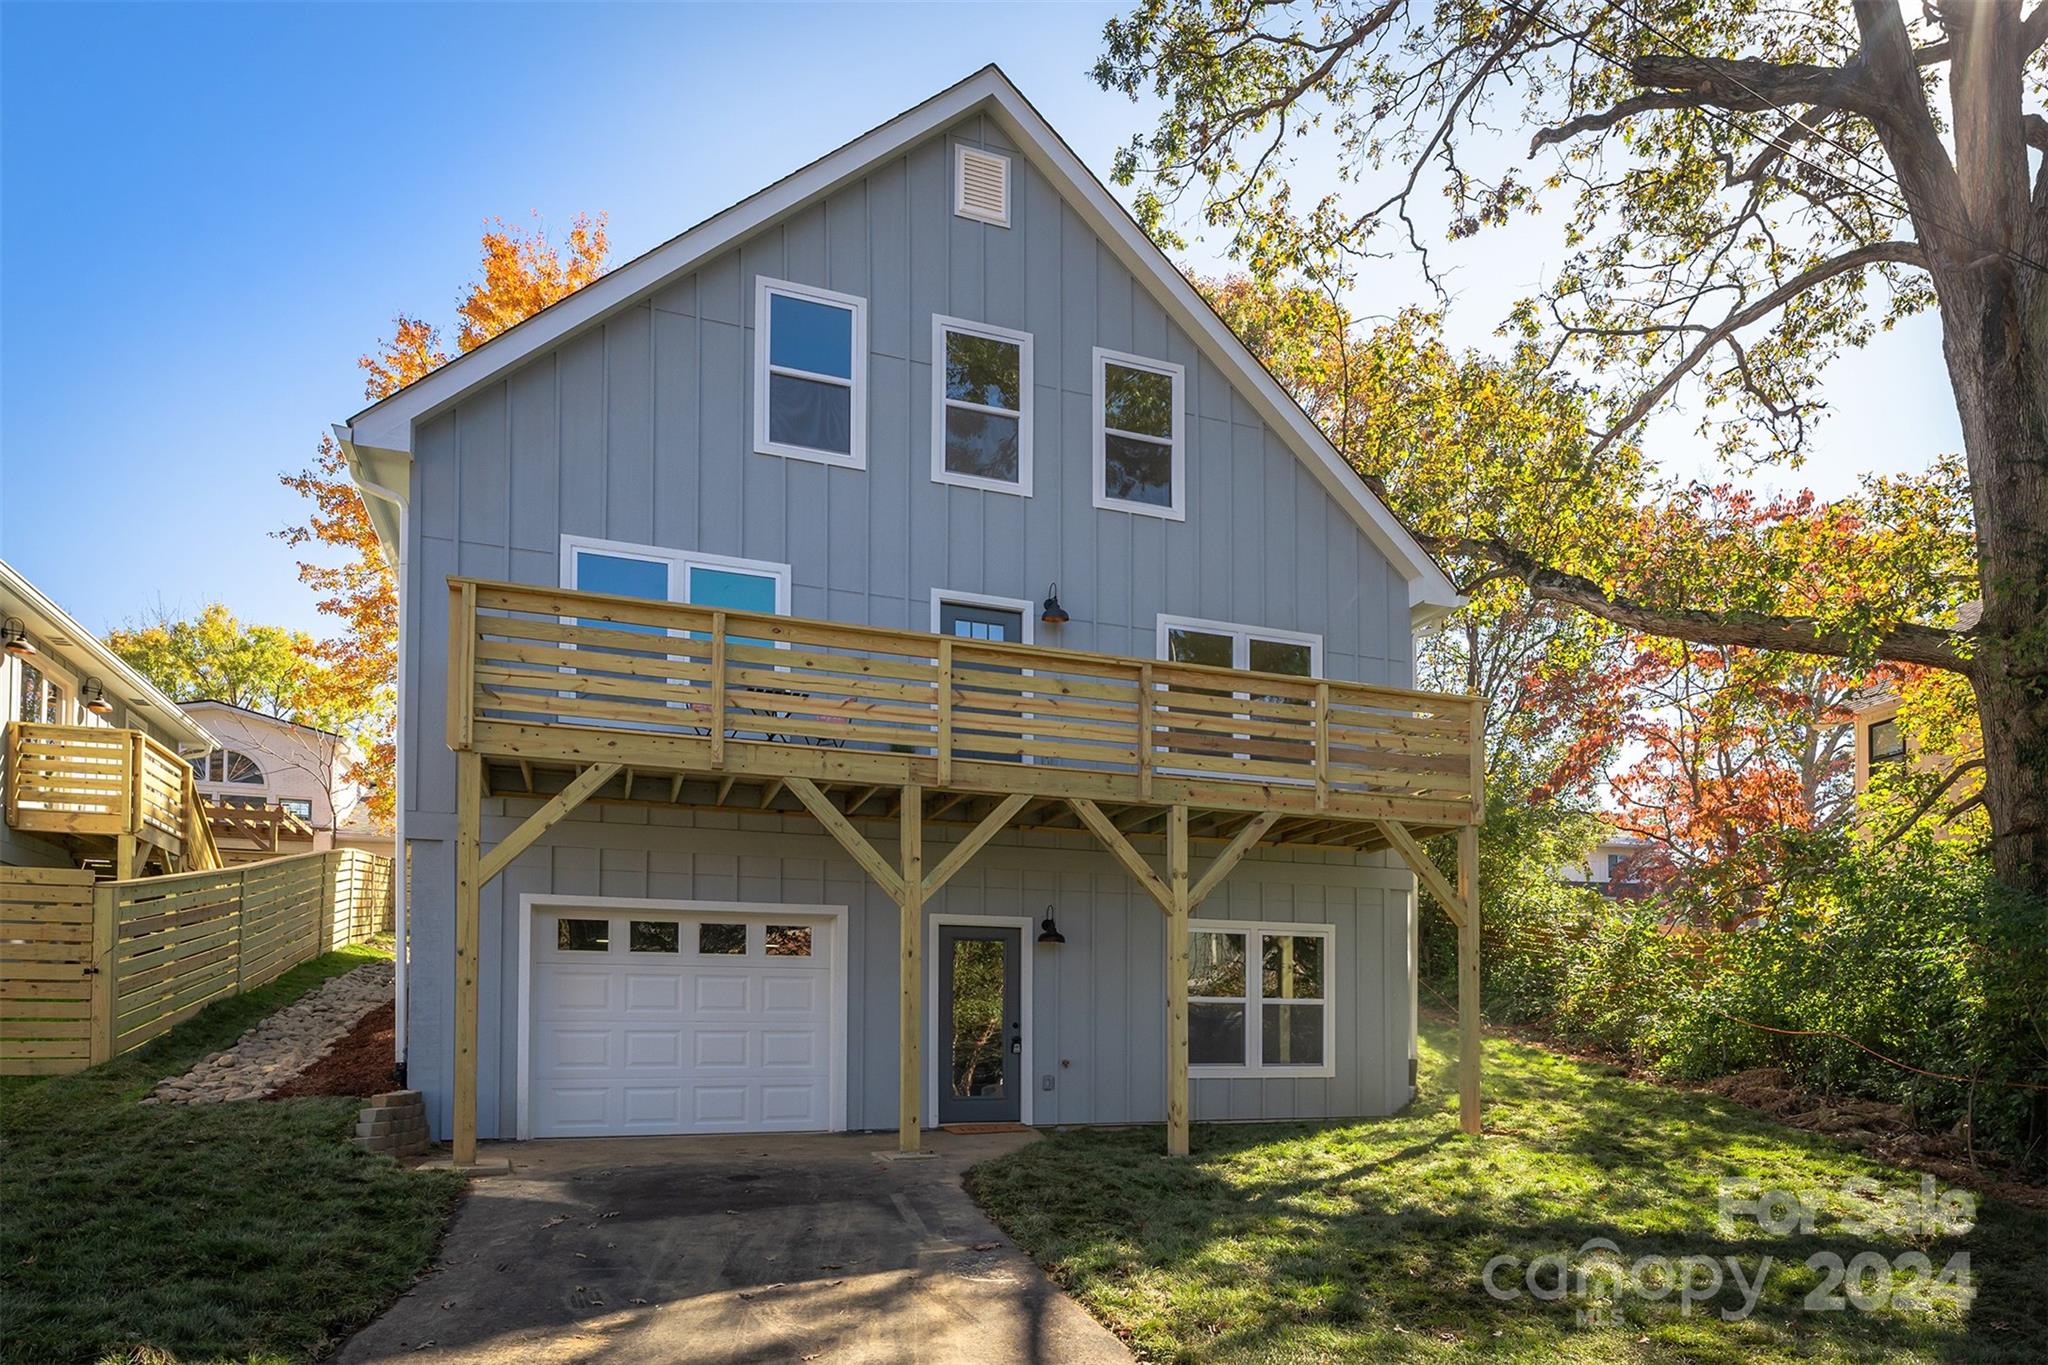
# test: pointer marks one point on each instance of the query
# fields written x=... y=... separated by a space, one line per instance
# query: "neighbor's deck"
x=109 y=795
x=729 y=706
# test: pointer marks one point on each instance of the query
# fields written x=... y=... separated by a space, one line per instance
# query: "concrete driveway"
x=761 y=1248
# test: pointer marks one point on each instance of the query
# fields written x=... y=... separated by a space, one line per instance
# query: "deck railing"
x=95 y=781
x=721 y=686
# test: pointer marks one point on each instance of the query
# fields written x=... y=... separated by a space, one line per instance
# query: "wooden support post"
x=105 y=983
x=1177 y=983
x=718 y=689
x=126 y=849
x=945 y=742
x=1322 y=746
x=910 y=1015
x=1468 y=980
x=1145 y=731
x=469 y=791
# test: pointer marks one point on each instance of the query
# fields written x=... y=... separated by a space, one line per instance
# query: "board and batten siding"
x=640 y=430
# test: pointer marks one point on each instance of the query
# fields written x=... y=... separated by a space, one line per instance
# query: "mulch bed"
x=360 y=1063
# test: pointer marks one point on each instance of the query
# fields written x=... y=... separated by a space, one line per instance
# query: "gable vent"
x=981 y=185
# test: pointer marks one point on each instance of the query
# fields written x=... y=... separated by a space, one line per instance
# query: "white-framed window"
x=981 y=185
x=228 y=766
x=1140 y=435
x=810 y=373
x=664 y=575
x=298 y=806
x=1225 y=644
x=1259 y=999
x=42 y=696
x=981 y=406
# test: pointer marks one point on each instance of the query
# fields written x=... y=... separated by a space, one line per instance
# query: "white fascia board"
x=389 y=424
x=53 y=618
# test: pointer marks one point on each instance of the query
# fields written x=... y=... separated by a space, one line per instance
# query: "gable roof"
x=89 y=655
x=215 y=703
x=378 y=440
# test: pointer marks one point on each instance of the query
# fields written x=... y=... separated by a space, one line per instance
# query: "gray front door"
x=981 y=1027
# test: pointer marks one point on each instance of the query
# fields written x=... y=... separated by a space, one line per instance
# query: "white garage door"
x=662 y=1022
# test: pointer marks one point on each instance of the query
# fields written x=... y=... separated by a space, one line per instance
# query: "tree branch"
x=1903 y=253
x=1905 y=643
x=1927 y=802
x=1741 y=85
x=1603 y=119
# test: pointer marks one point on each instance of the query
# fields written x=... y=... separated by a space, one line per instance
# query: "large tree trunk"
x=1996 y=364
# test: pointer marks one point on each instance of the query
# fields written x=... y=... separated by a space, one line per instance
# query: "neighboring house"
x=854 y=452
x=1610 y=867
x=277 y=786
x=1879 y=739
x=94 y=758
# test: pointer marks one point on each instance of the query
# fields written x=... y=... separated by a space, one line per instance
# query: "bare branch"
x=1902 y=253
x=1905 y=643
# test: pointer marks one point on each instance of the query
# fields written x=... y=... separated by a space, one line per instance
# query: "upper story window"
x=228 y=765
x=810 y=373
x=1887 y=743
x=1219 y=644
x=981 y=406
x=1140 y=450
x=301 y=808
x=42 y=698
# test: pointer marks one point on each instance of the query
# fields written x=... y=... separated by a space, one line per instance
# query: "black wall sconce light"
x=1054 y=614
x=15 y=636
x=95 y=697
x=1048 y=932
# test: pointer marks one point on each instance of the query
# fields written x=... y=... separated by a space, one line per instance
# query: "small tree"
x=522 y=273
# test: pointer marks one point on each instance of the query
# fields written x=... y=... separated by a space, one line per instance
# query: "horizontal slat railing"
x=725 y=684
x=98 y=781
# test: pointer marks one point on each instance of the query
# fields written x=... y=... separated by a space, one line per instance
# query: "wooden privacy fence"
x=90 y=970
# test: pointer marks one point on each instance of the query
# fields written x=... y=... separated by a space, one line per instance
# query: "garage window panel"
x=721 y=940
x=583 y=935
x=655 y=936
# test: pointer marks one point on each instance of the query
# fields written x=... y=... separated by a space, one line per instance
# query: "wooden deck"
x=113 y=796
x=568 y=696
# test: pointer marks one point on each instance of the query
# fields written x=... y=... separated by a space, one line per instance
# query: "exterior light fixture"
x=1048 y=932
x=15 y=635
x=1053 y=614
x=95 y=697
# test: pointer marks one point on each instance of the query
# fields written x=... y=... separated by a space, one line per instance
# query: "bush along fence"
x=92 y=969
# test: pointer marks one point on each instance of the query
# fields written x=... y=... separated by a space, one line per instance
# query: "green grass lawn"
x=247 y=1231
x=1369 y=1240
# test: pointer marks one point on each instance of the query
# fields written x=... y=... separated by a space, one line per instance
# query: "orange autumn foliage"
x=521 y=274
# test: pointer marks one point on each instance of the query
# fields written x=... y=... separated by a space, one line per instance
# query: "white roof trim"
x=387 y=426
x=168 y=715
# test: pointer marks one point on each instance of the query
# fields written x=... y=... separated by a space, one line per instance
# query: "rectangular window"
x=1887 y=743
x=32 y=691
x=789 y=940
x=810 y=373
x=302 y=809
x=1258 y=999
x=653 y=936
x=583 y=936
x=981 y=406
x=1140 y=450
x=722 y=940
x=1221 y=644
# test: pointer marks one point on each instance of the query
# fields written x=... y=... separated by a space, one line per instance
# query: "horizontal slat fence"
x=91 y=970
x=537 y=656
x=46 y=976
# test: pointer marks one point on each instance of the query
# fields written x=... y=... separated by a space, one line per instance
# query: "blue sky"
x=208 y=213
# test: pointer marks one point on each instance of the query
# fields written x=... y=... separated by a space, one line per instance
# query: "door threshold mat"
x=983 y=1128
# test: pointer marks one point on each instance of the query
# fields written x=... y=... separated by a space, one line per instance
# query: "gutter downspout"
x=401 y=862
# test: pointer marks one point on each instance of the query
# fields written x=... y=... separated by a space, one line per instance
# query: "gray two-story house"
x=889 y=656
